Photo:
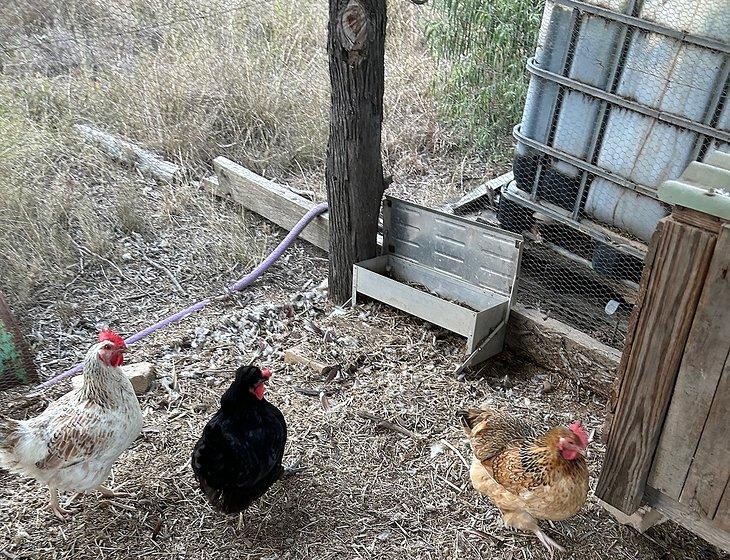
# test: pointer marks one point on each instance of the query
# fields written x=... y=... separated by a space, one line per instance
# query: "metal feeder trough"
x=455 y=273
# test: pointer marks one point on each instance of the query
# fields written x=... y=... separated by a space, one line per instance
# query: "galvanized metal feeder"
x=450 y=271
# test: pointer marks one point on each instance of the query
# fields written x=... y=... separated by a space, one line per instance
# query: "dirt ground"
x=367 y=490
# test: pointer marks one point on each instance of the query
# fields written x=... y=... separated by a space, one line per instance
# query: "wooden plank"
x=641 y=298
x=710 y=468
x=705 y=354
x=270 y=200
x=484 y=190
x=697 y=219
x=297 y=355
x=561 y=348
x=662 y=326
x=127 y=152
x=688 y=519
x=641 y=520
x=722 y=517
x=631 y=331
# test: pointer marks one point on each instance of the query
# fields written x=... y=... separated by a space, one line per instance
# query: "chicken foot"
x=110 y=493
x=55 y=506
x=525 y=522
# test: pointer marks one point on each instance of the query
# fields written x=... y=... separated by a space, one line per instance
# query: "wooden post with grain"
x=667 y=447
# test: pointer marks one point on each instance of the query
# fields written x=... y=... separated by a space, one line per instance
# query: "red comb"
x=110 y=335
x=577 y=428
x=266 y=373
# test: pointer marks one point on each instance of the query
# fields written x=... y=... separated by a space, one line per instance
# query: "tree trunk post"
x=354 y=171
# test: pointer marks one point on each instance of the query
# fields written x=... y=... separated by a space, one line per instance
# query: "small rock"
x=140 y=374
x=547 y=387
x=20 y=537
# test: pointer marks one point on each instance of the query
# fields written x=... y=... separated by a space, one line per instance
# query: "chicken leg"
x=525 y=522
x=56 y=508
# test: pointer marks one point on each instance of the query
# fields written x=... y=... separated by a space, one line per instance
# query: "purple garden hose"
x=237 y=287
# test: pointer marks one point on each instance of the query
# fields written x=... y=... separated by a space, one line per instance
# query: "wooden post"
x=354 y=172
x=673 y=279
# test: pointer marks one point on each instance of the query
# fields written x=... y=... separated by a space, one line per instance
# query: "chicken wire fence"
x=623 y=95
x=186 y=80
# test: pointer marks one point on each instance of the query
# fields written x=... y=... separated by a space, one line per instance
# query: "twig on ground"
x=458 y=453
x=167 y=272
x=382 y=423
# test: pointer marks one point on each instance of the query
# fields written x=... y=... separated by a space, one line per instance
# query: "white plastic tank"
x=658 y=78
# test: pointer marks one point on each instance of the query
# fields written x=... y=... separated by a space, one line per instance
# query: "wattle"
x=258 y=391
x=569 y=454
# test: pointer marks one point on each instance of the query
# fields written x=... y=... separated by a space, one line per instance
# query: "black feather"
x=239 y=455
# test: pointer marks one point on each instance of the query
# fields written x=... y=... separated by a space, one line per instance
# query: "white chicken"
x=73 y=443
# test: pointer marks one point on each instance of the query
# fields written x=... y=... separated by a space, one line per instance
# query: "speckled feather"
x=521 y=470
x=73 y=444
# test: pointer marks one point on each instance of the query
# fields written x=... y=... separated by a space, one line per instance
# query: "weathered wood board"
x=268 y=199
x=722 y=517
x=129 y=153
x=708 y=476
x=699 y=374
x=663 y=319
x=685 y=516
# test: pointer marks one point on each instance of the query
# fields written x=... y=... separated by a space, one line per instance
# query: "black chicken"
x=239 y=455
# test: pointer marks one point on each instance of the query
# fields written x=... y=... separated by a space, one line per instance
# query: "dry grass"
x=242 y=78
x=367 y=491
x=194 y=80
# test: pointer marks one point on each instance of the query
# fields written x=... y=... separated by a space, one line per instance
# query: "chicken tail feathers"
x=8 y=436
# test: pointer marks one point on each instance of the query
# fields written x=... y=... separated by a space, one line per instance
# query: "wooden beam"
x=710 y=470
x=642 y=519
x=270 y=200
x=126 y=152
x=485 y=190
x=682 y=514
x=296 y=355
x=707 y=350
x=558 y=347
x=662 y=321
x=722 y=517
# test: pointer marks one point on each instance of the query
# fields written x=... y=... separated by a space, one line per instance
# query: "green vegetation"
x=488 y=44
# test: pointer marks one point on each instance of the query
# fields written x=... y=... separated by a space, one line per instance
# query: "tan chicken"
x=73 y=443
x=528 y=475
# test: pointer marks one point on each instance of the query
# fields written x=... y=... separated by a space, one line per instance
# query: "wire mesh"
x=186 y=80
x=623 y=95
